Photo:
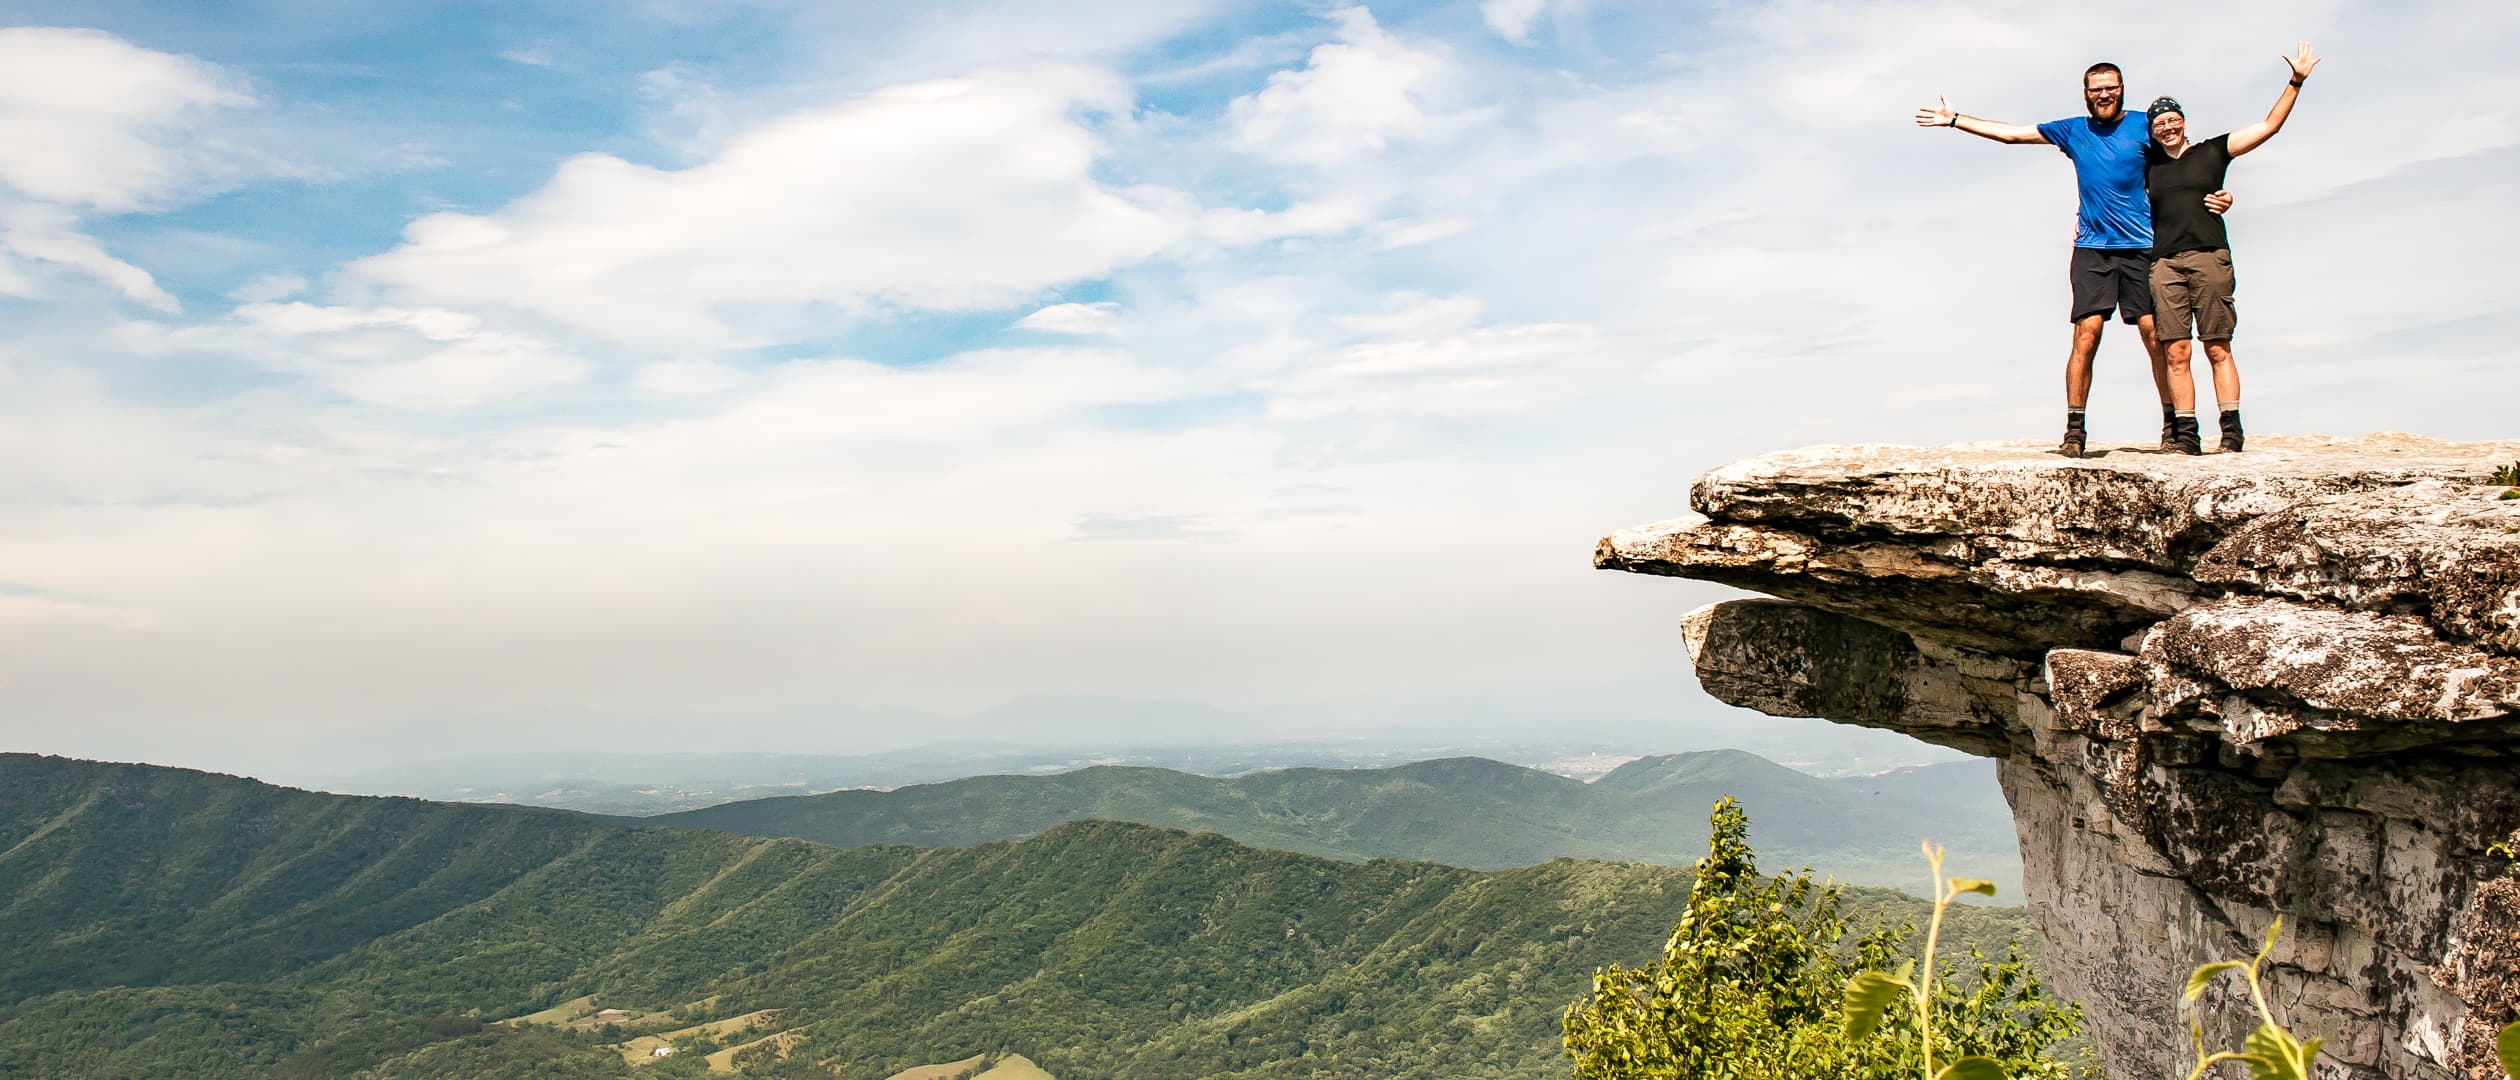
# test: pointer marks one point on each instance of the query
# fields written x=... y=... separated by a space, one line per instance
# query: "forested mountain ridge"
x=1459 y=811
x=220 y=878
x=155 y=912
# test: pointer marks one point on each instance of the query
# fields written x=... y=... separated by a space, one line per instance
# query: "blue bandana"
x=2160 y=105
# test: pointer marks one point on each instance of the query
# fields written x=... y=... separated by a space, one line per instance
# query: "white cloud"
x=267 y=287
x=952 y=37
x=50 y=234
x=687 y=378
x=1312 y=217
x=963 y=194
x=1414 y=314
x=1085 y=319
x=1108 y=527
x=31 y=615
x=1485 y=371
x=964 y=398
x=88 y=120
x=1512 y=19
x=1414 y=231
x=412 y=358
x=685 y=111
x=1352 y=98
x=92 y=124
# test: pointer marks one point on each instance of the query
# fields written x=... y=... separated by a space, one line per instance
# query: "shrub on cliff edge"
x=1749 y=987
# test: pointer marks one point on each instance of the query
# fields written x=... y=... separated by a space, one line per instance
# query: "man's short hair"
x=2100 y=67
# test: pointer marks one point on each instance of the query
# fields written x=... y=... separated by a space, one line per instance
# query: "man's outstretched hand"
x=2301 y=61
x=1939 y=115
x=2218 y=201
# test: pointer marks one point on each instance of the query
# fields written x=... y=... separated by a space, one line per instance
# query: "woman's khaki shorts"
x=2193 y=287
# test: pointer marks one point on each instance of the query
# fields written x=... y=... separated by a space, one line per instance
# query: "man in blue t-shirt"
x=2113 y=235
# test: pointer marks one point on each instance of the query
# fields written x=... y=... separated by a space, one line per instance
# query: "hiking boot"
x=2169 y=414
x=2073 y=444
x=2184 y=438
x=2232 y=438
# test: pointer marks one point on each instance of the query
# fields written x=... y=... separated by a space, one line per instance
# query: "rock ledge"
x=2220 y=688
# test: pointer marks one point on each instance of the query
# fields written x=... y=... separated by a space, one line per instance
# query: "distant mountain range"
x=163 y=922
x=1468 y=812
x=642 y=764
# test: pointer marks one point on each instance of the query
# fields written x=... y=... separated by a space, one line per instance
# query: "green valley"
x=171 y=923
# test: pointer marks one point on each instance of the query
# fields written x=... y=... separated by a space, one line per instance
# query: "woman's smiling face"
x=2170 y=130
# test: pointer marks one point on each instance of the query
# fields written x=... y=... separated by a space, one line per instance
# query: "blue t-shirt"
x=2109 y=171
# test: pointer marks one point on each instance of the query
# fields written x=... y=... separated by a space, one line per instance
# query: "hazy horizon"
x=1643 y=720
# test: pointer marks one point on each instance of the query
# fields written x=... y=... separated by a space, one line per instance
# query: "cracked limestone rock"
x=2219 y=689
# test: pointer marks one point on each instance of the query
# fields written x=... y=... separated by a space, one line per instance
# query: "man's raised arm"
x=2255 y=135
x=1942 y=115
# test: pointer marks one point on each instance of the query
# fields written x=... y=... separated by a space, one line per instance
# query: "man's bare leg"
x=2226 y=393
x=2078 y=381
x=2078 y=361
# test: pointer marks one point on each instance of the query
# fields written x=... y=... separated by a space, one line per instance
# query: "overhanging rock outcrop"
x=2220 y=689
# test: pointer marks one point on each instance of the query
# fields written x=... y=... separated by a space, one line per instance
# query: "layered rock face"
x=2220 y=689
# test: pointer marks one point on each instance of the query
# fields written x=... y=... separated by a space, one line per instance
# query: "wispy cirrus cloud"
x=92 y=124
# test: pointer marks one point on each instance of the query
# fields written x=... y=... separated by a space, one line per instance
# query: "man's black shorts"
x=2107 y=278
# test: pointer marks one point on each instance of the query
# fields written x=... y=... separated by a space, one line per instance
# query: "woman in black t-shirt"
x=2191 y=274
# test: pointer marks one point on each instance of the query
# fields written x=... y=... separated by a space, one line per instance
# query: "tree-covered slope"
x=1458 y=811
x=152 y=915
x=139 y=875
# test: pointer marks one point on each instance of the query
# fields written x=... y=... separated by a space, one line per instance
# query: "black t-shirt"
x=2178 y=187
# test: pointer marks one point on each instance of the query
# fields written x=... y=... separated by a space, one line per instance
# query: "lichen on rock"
x=2220 y=689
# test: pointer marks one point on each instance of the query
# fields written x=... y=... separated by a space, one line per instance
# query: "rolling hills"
x=1459 y=811
x=166 y=922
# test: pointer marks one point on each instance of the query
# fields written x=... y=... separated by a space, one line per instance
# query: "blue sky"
x=362 y=363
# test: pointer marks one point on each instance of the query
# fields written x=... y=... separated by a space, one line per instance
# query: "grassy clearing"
x=586 y=1014
x=1010 y=1067
x=565 y=1012
x=641 y=1050
x=952 y=1070
x=724 y=1060
x=626 y=1018
x=733 y=1025
x=1015 y=1067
